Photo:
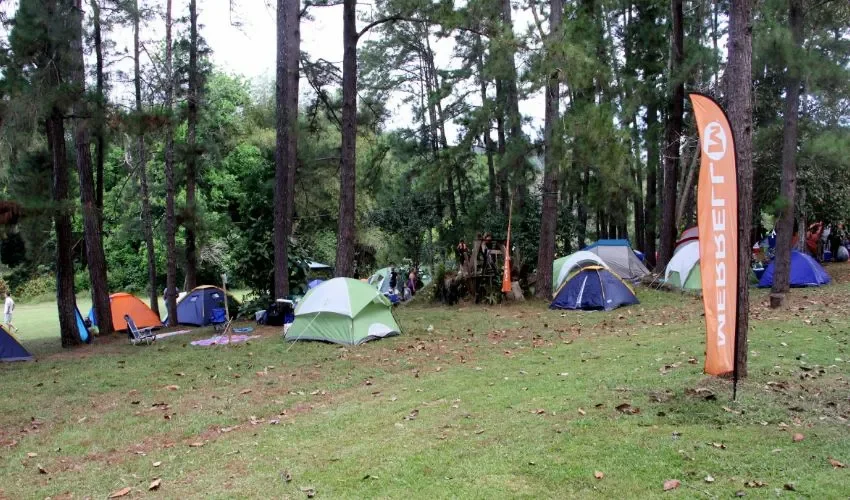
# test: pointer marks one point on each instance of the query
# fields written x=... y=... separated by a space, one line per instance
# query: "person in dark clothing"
x=834 y=240
x=462 y=253
x=393 y=279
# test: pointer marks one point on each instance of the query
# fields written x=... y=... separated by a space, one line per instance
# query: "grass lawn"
x=492 y=402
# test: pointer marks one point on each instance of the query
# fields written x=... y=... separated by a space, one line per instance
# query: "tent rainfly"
x=805 y=271
x=683 y=269
x=564 y=266
x=593 y=288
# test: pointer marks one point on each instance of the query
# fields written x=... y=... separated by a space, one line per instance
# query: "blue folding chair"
x=218 y=318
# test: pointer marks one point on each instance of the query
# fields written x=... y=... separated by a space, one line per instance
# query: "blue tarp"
x=805 y=271
x=10 y=349
x=85 y=336
x=608 y=243
x=313 y=284
x=593 y=289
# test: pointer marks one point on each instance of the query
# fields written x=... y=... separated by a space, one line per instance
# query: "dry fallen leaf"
x=172 y=387
x=708 y=479
x=789 y=487
x=538 y=411
x=196 y=444
x=155 y=484
x=41 y=469
x=798 y=437
x=310 y=492
x=835 y=463
x=582 y=412
x=286 y=475
x=120 y=493
x=32 y=455
x=598 y=475
x=755 y=484
x=719 y=445
x=627 y=409
x=157 y=464
x=245 y=391
x=671 y=484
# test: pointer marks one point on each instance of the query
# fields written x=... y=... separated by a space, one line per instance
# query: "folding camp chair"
x=218 y=318
x=138 y=335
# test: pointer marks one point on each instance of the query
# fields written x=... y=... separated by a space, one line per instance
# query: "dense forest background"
x=215 y=173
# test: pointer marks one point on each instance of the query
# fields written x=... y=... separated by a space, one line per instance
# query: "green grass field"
x=492 y=402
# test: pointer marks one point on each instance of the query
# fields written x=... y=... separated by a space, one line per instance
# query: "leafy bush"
x=36 y=286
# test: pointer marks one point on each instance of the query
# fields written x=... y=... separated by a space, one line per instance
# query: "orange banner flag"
x=717 y=216
x=506 y=274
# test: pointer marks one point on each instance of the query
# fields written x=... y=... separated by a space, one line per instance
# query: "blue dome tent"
x=11 y=349
x=196 y=308
x=593 y=288
x=805 y=271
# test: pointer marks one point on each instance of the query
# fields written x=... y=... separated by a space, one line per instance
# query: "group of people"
x=408 y=288
x=821 y=238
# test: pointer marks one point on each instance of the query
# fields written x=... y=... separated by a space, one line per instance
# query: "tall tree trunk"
x=652 y=163
x=99 y=128
x=170 y=221
x=347 y=166
x=549 y=211
x=788 y=184
x=673 y=134
x=516 y=157
x=147 y=223
x=91 y=222
x=582 y=207
x=687 y=187
x=501 y=139
x=65 y=299
x=739 y=80
x=487 y=140
x=190 y=221
x=286 y=150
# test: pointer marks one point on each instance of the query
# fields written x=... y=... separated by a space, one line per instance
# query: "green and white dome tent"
x=343 y=311
x=683 y=269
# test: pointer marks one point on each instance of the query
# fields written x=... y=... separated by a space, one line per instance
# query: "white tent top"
x=685 y=258
x=318 y=265
x=343 y=296
x=571 y=262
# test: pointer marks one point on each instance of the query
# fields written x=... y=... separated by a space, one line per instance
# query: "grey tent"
x=620 y=257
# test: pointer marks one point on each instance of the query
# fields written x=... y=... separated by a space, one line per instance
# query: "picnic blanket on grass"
x=223 y=339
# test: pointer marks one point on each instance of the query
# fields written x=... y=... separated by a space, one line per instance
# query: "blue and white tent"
x=593 y=289
x=11 y=349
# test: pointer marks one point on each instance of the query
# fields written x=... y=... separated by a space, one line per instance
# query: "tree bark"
x=91 y=222
x=652 y=163
x=99 y=129
x=738 y=79
x=65 y=299
x=673 y=134
x=286 y=150
x=190 y=218
x=516 y=157
x=549 y=210
x=501 y=146
x=347 y=168
x=147 y=223
x=170 y=221
x=582 y=207
x=788 y=183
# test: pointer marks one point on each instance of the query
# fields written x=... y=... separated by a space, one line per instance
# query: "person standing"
x=8 y=309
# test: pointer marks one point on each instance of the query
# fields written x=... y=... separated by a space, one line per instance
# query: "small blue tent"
x=313 y=284
x=593 y=288
x=805 y=271
x=10 y=349
x=196 y=307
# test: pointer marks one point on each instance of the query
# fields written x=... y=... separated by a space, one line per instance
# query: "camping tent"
x=196 y=307
x=562 y=267
x=123 y=304
x=381 y=280
x=620 y=258
x=11 y=349
x=688 y=235
x=343 y=311
x=593 y=288
x=805 y=271
x=683 y=269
